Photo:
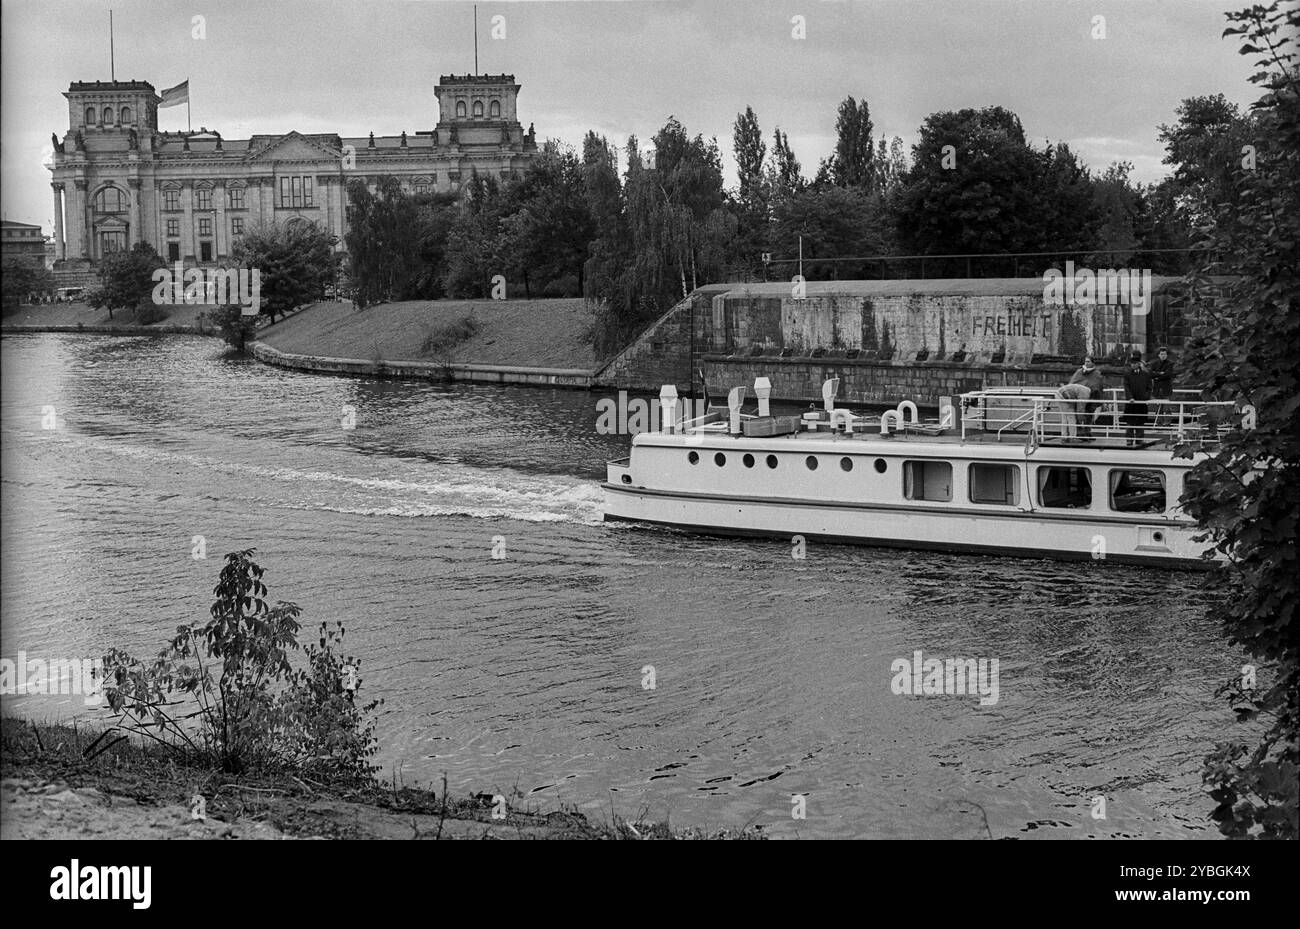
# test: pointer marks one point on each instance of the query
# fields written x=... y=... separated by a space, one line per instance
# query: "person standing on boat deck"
x=1162 y=381
x=1089 y=376
x=1137 y=387
x=1070 y=397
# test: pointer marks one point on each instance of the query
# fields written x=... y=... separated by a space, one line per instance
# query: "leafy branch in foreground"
x=226 y=694
x=1246 y=497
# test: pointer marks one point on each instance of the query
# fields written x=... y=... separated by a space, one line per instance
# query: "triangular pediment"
x=294 y=146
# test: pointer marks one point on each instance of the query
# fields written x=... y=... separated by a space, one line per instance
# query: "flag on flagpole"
x=174 y=96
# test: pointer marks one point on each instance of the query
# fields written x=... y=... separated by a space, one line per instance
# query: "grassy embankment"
x=531 y=333
x=73 y=315
x=51 y=790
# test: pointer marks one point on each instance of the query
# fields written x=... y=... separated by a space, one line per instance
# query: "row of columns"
x=71 y=221
x=74 y=222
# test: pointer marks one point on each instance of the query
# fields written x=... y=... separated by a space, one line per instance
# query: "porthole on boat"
x=846 y=463
x=693 y=457
x=627 y=479
x=1157 y=536
x=748 y=460
x=771 y=461
x=881 y=466
x=811 y=461
x=719 y=459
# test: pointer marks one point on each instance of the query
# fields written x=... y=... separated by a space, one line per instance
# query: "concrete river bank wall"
x=889 y=340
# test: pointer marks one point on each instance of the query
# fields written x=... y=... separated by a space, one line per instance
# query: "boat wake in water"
x=401 y=489
x=563 y=502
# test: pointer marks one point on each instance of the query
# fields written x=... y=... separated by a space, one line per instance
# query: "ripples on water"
x=525 y=674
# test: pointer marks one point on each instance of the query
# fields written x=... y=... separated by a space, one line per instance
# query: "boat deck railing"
x=1033 y=415
x=1040 y=416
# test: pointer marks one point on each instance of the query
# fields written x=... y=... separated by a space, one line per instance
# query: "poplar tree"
x=785 y=175
x=753 y=192
x=853 y=164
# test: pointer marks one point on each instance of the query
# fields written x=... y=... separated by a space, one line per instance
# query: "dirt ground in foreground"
x=41 y=808
x=54 y=784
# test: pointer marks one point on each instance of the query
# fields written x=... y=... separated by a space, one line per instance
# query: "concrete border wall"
x=661 y=354
x=885 y=340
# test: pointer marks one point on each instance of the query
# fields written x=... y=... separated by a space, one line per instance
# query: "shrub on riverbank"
x=440 y=340
x=225 y=693
x=236 y=328
x=148 y=313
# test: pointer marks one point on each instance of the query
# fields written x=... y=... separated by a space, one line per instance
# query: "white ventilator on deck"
x=890 y=416
x=735 y=398
x=842 y=416
x=947 y=414
x=668 y=408
x=905 y=407
x=829 y=389
x=763 y=390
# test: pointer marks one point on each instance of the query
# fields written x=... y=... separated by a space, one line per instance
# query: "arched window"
x=494 y=109
x=126 y=114
x=90 y=116
x=110 y=200
x=460 y=107
x=108 y=116
x=478 y=108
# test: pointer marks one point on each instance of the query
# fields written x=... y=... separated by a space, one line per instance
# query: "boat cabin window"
x=995 y=483
x=1067 y=488
x=1137 y=491
x=927 y=480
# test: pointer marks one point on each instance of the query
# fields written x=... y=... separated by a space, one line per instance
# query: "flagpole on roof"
x=112 y=57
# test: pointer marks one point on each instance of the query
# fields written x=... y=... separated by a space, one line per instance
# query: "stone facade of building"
x=22 y=242
x=118 y=180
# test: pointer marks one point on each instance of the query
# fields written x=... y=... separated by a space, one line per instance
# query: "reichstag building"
x=117 y=180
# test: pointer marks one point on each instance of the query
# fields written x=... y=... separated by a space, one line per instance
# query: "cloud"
x=355 y=66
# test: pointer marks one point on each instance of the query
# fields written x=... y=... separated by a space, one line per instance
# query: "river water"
x=524 y=675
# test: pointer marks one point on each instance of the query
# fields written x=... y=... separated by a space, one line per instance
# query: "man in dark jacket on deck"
x=1137 y=388
x=1162 y=382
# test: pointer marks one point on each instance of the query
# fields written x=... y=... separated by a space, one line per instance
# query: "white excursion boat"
x=1014 y=471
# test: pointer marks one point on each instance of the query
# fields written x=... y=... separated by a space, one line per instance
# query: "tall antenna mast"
x=476 y=40
x=112 y=58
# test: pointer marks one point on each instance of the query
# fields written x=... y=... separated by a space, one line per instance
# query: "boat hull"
x=1016 y=533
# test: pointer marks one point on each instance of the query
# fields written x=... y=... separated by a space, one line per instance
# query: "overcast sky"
x=356 y=66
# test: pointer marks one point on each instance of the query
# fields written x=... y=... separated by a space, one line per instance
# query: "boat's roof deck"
x=954 y=437
x=998 y=417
